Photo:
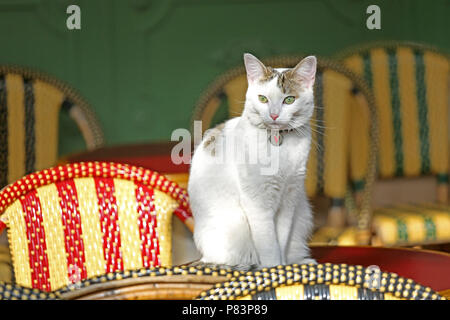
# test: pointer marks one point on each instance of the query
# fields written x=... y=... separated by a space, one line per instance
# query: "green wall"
x=142 y=64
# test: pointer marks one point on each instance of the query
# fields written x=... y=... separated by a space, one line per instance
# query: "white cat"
x=244 y=218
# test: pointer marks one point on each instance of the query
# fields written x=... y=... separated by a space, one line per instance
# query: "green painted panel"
x=142 y=64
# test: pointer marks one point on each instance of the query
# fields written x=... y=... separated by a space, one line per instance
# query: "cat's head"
x=279 y=98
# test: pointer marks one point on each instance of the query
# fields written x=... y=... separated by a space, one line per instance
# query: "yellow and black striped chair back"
x=335 y=91
x=410 y=83
x=319 y=282
x=30 y=103
x=72 y=222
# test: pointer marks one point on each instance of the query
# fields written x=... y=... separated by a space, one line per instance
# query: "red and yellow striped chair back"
x=82 y=220
x=30 y=106
x=335 y=90
x=410 y=83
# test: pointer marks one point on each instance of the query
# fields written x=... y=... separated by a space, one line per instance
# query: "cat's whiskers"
x=315 y=125
x=317 y=120
x=321 y=132
x=300 y=131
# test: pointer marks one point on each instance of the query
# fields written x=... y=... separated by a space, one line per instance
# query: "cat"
x=243 y=218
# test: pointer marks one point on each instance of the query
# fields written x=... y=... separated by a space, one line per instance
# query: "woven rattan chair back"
x=319 y=282
x=338 y=93
x=30 y=103
x=410 y=83
x=77 y=221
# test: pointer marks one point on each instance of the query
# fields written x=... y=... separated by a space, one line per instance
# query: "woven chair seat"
x=401 y=225
x=335 y=236
x=426 y=223
x=319 y=282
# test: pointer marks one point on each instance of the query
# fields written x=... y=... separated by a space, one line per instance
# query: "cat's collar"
x=276 y=136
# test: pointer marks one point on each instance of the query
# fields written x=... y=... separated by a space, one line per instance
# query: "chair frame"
x=77 y=107
x=158 y=283
x=442 y=188
x=10 y=291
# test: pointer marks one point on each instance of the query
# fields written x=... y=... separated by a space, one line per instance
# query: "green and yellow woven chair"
x=410 y=83
x=72 y=222
x=337 y=92
x=30 y=104
x=319 y=282
x=156 y=283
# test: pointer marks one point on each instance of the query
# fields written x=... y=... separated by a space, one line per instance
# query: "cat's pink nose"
x=274 y=116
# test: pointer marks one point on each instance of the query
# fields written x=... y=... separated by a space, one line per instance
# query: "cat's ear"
x=305 y=71
x=255 y=68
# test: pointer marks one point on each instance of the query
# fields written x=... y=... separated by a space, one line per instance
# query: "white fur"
x=242 y=217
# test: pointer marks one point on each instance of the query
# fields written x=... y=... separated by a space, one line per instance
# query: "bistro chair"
x=30 y=104
x=10 y=291
x=410 y=83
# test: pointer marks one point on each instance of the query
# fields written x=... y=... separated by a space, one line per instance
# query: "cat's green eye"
x=289 y=100
x=262 y=99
